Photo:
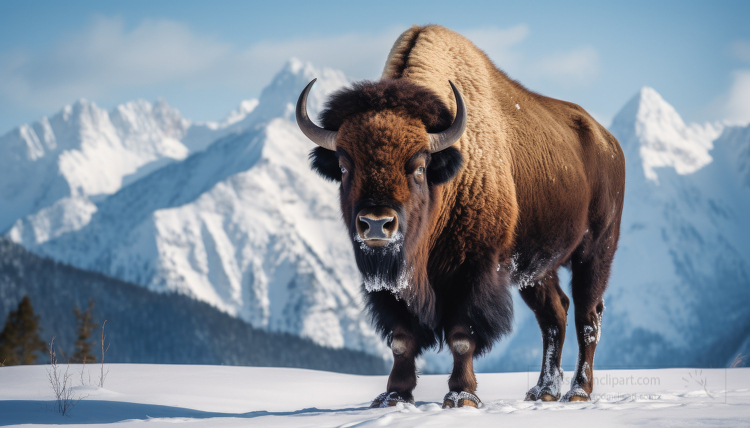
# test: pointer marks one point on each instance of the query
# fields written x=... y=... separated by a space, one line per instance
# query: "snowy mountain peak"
x=84 y=151
x=142 y=118
x=651 y=129
x=295 y=66
x=80 y=116
x=75 y=109
x=280 y=96
x=246 y=107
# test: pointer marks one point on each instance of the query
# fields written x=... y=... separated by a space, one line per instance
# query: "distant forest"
x=148 y=327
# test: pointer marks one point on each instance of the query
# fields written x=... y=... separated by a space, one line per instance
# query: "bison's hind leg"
x=590 y=276
x=550 y=305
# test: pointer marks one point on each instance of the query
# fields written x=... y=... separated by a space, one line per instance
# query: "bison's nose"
x=377 y=226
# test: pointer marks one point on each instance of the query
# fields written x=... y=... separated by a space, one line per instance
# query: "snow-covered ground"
x=163 y=395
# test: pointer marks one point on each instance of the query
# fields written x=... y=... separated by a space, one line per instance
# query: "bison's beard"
x=383 y=268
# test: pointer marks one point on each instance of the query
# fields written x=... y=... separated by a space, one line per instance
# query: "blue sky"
x=204 y=58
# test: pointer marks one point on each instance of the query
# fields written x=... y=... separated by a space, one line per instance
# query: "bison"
x=458 y=183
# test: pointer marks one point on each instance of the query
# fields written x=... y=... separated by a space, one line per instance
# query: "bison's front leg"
x=403 y=378
x=463 y=382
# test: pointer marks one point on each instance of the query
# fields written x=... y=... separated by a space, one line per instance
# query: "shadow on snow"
x=102 y=412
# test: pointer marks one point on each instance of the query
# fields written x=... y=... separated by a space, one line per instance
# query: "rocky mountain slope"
x=55 y=169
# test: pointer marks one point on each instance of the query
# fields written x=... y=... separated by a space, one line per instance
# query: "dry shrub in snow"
x=61 y=384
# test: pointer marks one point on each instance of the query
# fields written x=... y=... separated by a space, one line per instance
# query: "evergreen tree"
x=84 y=345
x=19 y=340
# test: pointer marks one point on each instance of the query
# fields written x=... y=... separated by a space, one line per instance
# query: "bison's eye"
x=343 y=170
x=419 y=171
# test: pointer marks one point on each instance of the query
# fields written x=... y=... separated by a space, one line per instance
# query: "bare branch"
x=61 y=384
x=103 y=374
x=82 y=371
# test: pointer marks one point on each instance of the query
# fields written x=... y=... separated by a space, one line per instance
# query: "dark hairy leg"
x=462 y=382
x=590 y=278
x=550 y=305
x=477 y=309
x=403 y=378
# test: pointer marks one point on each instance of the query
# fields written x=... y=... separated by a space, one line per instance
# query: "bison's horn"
x=322 y=137
x=445 y=139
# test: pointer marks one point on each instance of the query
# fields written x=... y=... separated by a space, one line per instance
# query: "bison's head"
x=389 y=144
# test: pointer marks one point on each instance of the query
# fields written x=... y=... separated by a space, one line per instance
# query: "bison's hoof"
x=543 y=397
x=389 y=399
x=576 y=394
x=461 y=399
x=545 y=394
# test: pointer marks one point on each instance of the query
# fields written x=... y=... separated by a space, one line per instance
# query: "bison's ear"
x=325 y=163
x=444 y=165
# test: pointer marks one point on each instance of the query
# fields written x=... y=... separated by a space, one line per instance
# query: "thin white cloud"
x=358 y=55
x=740 y=50
x=107 y=57
x=737 y=107
x=733 y=106
x=603 y=120
x=500 y=45
x=578 y=67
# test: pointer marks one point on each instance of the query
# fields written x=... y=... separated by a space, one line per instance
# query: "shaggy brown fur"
x=402 y=96
x=533 y=184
